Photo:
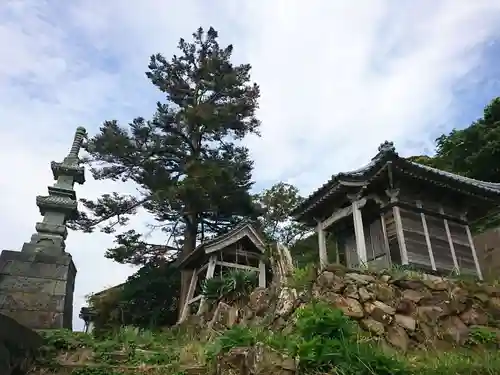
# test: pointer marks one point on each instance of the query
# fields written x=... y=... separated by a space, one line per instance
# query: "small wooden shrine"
x=241 y=248
x=395 y=211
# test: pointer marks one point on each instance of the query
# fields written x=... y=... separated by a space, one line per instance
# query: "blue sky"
x=337 y=79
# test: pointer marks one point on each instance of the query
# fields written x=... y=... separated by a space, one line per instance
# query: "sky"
x=337 y=79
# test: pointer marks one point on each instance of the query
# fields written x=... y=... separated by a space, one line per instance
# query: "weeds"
x=302 y=278
x=321 y=338
x=482 y=336
x=232 y=286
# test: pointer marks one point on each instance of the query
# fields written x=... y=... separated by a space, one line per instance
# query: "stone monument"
x=37 y=283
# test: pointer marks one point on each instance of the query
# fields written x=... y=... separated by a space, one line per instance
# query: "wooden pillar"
x=262 y=274
x=337 y=250
x=359 y=233
x=400 y=235
x=473 y=249
x=393 y=197
x=189 y=295
x=427 y=237
x=386 y=239
x=211 y=266
x=210 y=273
x=323 y=255
x=450 y=242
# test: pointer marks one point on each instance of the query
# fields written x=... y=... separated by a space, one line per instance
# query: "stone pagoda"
x=37 y=283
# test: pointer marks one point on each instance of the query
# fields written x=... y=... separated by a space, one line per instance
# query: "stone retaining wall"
x=413 y=310
x=407 y=311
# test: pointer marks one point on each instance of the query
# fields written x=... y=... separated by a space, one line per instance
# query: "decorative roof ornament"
x=387 y=146
x=60 y=205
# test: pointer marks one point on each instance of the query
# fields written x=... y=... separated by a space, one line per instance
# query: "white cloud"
x=337 y=78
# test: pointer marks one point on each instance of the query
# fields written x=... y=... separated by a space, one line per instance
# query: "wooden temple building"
x=240 y=248
x=395 y=211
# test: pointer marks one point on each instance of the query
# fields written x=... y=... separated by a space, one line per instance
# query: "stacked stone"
x=37 y=284
x=405 y=311
x=412 y=311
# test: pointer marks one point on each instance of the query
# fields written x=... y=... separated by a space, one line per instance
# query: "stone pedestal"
x=36 y=289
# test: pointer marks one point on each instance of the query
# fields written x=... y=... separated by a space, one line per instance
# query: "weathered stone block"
x=37 y=289
x=39 y=319
x=38 y=265
x=32 y=285
x=33 y=302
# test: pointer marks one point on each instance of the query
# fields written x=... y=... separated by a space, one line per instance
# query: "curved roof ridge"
x=483 y=184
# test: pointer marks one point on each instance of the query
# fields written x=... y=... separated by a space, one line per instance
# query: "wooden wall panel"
x=414 y=233
x=390 y=224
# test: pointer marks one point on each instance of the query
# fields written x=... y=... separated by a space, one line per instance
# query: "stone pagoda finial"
x=80 y=136
x=60 y=205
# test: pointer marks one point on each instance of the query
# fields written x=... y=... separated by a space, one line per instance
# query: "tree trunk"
x=188 y=246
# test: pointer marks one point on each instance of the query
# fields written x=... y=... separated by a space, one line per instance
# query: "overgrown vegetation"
x=148 y=299
x=233 y=285
x=322 y=339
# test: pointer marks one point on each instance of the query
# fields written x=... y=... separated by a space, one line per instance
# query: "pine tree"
x=193 y=173
x=276 y=205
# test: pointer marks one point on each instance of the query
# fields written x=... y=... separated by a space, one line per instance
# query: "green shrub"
x=482 y=336
x=235 y=337
x=320 y=320
x=231 y=286
x=366 y=359
x=326 y=342
x=302 y=277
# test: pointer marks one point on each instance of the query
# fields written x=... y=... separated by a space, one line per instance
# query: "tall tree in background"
x=276 y=204
x=193 y=174
x=472 y=152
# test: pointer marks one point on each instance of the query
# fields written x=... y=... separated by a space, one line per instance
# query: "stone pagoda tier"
x=37 y=283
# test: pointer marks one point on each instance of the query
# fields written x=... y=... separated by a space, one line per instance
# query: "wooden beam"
x=359 y=234
x=189 y=296
x=211 y=266
x=400 y=235
x=337 y=251
x=248 y=254
x=340 y=214
x=262 y=274
x=201 y=269
x=433 y=213
x=323 y=255
x=474 y=253
x=450 y=242
x=236 y=265
x=193 y=300
x=427 y=237
x=386 y=239
x=210 y=273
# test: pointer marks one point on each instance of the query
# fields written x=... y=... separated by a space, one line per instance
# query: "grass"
x=323 y=339
x=166 y=352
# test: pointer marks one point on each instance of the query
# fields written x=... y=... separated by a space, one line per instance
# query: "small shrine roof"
x=387 y=154
x=240 y=231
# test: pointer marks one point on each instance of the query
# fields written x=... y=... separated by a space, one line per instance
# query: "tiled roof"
x=387 y=153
